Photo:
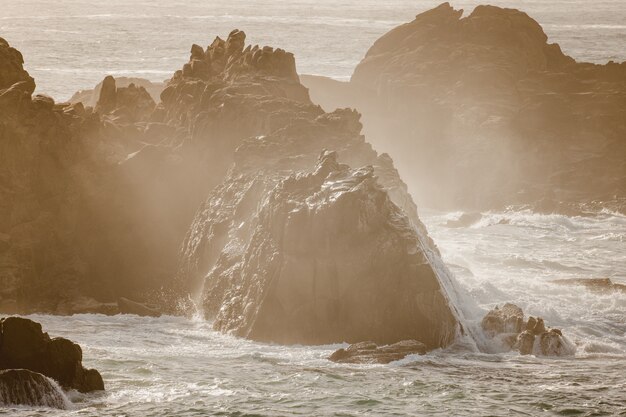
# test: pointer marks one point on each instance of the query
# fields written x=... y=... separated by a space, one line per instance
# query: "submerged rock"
x=593 y=284
x=127 y=306
x=507 y=326
x=23 y=345
x=369 y=352
x=27 y=388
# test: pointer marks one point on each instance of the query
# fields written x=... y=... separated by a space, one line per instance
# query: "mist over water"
x=176 y=366
x=72 y=44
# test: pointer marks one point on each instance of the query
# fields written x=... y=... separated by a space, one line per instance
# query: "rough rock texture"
x=506 y=325
x=369 y=352
x=276 y=256
x=23 y=387
x=23 y=345
x=481 y=112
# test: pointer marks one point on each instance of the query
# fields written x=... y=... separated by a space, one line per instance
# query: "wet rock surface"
x=24 y=345
x=27 y=388
x=490 y=112
x=508 y=328
x=370 y=352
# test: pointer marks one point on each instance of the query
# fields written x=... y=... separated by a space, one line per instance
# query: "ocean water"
x=73 y=44
x=175 y=366
x=172 y=366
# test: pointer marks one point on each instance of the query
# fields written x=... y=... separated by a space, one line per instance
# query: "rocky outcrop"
x=26 y=388
x=89 y=98
x=481 y=112
x=507 y=328
x=127 y=306
x=276 y=256
x=23 y=345
x=131 y=104
x=369 y=352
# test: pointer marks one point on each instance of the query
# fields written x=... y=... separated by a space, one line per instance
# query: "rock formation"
x=507 y=327
x=26 y=388
x=89 y=98
x=290 y=246
x=369 y=352
x=482 y=112
x=23 y=345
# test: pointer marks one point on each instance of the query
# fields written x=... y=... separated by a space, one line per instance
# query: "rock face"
x=292 y=265
x=507 y=326
x=23 y=345
x=483 y=112
x=369 y=352
x=23 y=387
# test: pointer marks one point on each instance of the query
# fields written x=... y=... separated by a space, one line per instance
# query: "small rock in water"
x=465 y=220
x=369 y=352
x=507 y=325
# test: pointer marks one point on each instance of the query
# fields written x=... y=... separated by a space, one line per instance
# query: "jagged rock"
x=509 y=319
x=482 y=112
x=26 y=388
x=132 y=104
x=12 y=70
x=25 y=346
x=283 y=255
x=90 y=97
x=507 y=326
x=369 y=352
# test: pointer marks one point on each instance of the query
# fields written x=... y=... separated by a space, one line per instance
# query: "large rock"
x=21 y=387
x=23 y=345
x=276 y=256
x=481 y=112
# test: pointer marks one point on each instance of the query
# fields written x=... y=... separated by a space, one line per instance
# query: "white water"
x=173 y=366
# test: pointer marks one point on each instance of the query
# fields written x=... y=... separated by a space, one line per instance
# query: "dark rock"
x=27 y=388
x=26 y=346
x=369 y=352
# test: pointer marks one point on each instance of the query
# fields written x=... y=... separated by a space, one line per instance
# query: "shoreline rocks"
x=23 y=345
